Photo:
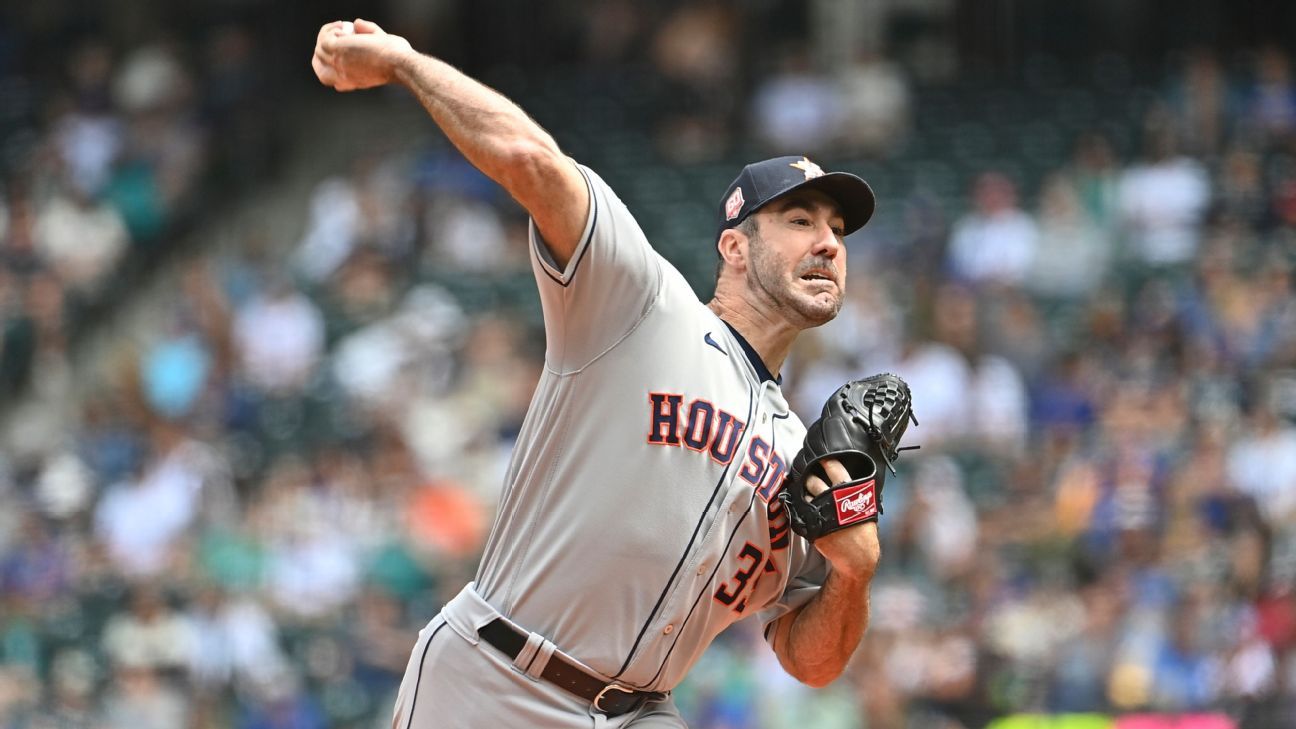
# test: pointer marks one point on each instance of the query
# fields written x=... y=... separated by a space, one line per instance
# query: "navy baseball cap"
x=761 y=182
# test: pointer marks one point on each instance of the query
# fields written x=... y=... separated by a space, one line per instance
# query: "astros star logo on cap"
x=811 y=169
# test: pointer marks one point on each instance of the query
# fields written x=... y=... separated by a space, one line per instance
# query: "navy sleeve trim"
x=542 y=249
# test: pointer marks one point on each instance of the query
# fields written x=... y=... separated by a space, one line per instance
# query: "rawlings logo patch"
x=856 y=503
x=734 y=204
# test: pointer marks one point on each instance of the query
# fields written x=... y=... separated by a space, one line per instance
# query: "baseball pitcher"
x=661 y=488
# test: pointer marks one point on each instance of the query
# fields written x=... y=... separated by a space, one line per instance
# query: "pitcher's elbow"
x=531 y=164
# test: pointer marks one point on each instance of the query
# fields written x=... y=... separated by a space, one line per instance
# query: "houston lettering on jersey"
x=704 y=427
x=699 y=427
x=764 y=470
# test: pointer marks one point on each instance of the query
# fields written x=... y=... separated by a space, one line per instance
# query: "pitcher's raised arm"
x=493 y=133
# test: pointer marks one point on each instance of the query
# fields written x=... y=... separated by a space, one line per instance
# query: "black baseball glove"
x=861 y=427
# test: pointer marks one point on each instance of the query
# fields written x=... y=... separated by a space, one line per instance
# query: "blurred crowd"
x=272 y=494
x=279 y=487
x=105 y=158
x=1103 y=514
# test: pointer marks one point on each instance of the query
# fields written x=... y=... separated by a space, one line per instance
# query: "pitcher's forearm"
x=508 y=146
x=821 y=638
x=493 y=133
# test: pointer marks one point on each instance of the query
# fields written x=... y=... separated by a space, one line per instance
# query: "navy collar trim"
x=756 y=362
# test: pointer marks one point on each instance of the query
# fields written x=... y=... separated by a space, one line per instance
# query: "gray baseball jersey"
x=639 y=518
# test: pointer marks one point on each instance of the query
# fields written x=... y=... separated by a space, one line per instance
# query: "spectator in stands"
x=468 y=235
x=1200 y=103
x=151 y=635
x=612 y=32
x=696 y=49
x=279 y=337
x=88 y=134
x=379 y=641
x=973 y=396
x=312 y=561
x=1073 y=254
x=1184 y=677
x=332 y=230
x=944 y=518
x=1242 y=195
x=795 y=107
x=17 y=336
x=1262 y=464
x=164 y=149
x=36 y=565
x=1018 y=327
x=876 y=105
x=71 y=703
x=174 y=371
x=81 y=238
x=20 y=253
x=385 y=366
x=282 y=702
x=1249 y=674
x=234 y=638
x=237 y=101
x=1078 y=682
x=139 y=698
x=1271 y=103
x=1095 y=173
x=997 y=242
x=141 y=518
x=1163 y=199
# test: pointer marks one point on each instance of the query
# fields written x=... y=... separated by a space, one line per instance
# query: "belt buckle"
x=604 y=692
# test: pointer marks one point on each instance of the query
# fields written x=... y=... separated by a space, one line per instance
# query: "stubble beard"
x=769 y=274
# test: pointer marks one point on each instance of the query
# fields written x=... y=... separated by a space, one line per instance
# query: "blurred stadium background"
x=265 y=348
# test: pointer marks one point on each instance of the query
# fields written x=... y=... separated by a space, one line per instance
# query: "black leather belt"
x=611 y=699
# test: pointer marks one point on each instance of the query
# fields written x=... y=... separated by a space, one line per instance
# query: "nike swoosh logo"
x=712 y=342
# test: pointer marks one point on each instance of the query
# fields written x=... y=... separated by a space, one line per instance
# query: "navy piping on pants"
x=414 y=701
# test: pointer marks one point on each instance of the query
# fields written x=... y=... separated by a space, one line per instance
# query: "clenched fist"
x=360 y=55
